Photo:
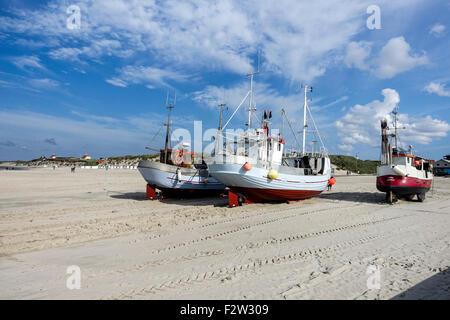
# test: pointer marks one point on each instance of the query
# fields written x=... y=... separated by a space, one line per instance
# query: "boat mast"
x=250 y=100
x=220 y=117
x=305 y=106
x=170 y=107
x=395 y=112
x=219 y=129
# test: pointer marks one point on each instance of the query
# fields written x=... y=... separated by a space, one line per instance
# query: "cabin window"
x=279 y=146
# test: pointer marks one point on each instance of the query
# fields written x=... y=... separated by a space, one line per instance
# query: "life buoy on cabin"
x=247 y=166
x=416 y=162
x=273 y=174
x=178 y=159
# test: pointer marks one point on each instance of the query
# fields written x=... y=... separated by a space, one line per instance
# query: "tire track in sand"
x=239 y=229
x=251 y=266
x=296 y=237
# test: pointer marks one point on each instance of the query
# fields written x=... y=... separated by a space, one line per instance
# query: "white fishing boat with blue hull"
x=172 y=179
x=177 y=174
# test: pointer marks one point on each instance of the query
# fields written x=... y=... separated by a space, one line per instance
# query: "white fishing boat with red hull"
x=401 y=174
x=257 y=171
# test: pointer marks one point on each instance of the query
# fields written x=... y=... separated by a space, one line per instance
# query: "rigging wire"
x=317 y=131
x=153 y=138
x=290 y=126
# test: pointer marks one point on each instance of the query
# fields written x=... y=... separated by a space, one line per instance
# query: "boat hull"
x=189 y=181
x=403 y=185
x=256 y=186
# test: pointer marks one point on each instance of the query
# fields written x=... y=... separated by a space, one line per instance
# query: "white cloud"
x=361 y=124
x=97 y=49
x=82 y=132
x=345 y=147
x=15 y=81
x=148 y=76
x=265 y=97
x=339 y=100
x=33 y=44
x=298 y=40
x=437 y=30
x=27 y=62
x=437 y=88
x=89 y=133
x=395 y=58
x=44 y=83
x=117 y=82
x=356 y=55
x=66 y=54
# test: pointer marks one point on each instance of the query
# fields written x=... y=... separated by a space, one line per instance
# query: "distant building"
x=442 y=167
x=53 y=156
x=86 y=157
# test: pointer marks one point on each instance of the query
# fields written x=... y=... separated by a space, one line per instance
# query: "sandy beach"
x=128 y=247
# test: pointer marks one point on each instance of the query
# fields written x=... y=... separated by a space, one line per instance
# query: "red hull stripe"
x=262 y=195
x=272 y=179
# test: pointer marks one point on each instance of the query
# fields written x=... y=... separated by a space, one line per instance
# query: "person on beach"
x=72 y=169
x=331 y=181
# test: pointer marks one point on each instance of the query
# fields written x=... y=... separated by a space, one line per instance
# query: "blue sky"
x=101 y=88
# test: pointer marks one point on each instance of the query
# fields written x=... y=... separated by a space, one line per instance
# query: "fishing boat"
x=254 y=167
x=177 y=173
x=401 y=174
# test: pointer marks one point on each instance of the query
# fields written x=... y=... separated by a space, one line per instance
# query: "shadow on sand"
x=182 y=201
x=436 y=287
x=367 y=197
x=139 y=196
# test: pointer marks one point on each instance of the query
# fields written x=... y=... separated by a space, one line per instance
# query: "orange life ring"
x=178 y=159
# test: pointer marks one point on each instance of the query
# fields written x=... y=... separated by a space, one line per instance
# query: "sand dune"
x=128 y=247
